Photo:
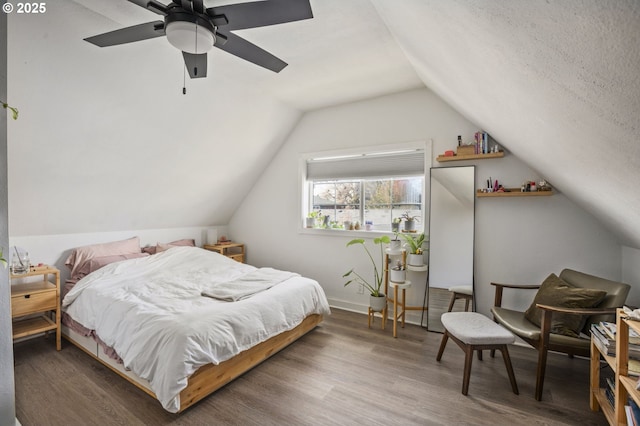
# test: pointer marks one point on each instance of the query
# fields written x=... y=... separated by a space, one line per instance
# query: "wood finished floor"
x=342 y=373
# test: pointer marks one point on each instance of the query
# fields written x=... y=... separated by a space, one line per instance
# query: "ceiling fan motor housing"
x=190 y=33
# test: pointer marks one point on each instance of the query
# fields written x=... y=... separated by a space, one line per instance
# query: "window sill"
x=342 y=233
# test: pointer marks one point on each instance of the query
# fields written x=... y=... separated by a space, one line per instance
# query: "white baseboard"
x=412 y=317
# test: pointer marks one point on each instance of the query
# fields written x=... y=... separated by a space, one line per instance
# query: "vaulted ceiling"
x=555 y=82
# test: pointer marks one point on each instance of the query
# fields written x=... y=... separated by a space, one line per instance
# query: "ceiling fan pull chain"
x=184 y=80
x=195 y=68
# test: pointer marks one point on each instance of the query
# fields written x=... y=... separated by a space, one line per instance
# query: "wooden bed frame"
x=209 y=378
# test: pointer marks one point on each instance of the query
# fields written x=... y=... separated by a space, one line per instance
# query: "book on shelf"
x=609 y=348
x=611 y=396
x=481 y=142
x=610 y=329
x=635 y=412
x=629 y=414
x=608 y=344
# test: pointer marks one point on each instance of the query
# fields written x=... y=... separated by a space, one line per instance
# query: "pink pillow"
x=98 y=262
x=165 y=246
x=82 y=255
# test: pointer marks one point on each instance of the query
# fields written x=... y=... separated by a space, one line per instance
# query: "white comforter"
x=151 y=311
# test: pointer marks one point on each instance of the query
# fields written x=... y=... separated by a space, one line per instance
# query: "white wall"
x=631 y=273
x=54 y=249
x=517 y=239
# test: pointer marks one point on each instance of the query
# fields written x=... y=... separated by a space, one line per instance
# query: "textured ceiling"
x=555 y=82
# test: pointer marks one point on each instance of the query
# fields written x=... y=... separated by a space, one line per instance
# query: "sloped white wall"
x=106 y=141
x=558 y=81
x=517 y=240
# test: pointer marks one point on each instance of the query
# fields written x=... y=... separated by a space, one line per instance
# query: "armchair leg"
x=543 y=347
x=542 y=364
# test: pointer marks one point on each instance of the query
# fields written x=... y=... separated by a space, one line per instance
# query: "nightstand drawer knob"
x=26 y=296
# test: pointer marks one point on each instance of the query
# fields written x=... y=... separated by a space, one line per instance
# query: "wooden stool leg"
x=507 y=363
x=468 y=360
x=452 y=301
x=479 y=355
x=466 y=304
x=385 y=314
x=369 y=317
x=404 y=295
x=395 y=311
x=443 y=343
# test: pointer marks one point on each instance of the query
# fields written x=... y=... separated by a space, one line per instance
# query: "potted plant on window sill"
x=409 y=222
x=312 y=219
x=414 y=245
x=377 y=299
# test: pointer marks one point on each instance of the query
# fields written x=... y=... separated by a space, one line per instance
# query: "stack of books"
x=481 y=142
x=604 y=337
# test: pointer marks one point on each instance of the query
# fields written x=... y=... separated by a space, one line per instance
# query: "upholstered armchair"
x=563 y=307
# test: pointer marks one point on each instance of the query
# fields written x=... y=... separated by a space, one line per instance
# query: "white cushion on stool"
x=462 y=289
x=473 y=328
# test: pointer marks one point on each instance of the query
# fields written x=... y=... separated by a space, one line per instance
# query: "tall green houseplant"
x=374 y=287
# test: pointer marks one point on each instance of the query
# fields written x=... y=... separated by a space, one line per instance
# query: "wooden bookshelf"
x=443 y=158
x=514 y=192
x=625 y=386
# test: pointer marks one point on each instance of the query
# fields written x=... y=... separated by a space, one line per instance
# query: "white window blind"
x=375 y=164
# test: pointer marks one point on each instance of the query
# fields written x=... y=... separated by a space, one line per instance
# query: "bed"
x=185 y=321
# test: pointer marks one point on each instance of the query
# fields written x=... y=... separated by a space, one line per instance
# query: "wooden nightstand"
x=233 y=250
x=30 y=297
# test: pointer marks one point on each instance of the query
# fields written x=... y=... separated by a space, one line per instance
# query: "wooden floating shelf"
x=443 y=158
x=514 y=192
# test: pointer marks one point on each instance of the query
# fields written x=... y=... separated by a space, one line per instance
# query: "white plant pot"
x=397 y=276
x=377 y=304
x=395 y=245
x=311 y=221
x=415 y=259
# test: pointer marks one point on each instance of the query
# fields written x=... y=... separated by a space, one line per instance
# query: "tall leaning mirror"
x=451 y=241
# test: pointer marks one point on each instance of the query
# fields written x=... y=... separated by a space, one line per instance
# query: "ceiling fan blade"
x=262 y=13
x=129 y=34
x=152 y=5
x=242 y=48
x=196 y=64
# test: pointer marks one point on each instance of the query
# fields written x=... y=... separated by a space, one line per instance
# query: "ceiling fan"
x=194 y=29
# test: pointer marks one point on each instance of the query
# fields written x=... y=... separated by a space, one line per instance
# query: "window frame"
x=305 y=189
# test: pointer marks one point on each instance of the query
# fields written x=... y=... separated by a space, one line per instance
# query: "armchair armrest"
x=499 y=287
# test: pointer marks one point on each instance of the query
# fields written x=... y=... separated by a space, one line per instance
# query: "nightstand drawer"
x=30 y=303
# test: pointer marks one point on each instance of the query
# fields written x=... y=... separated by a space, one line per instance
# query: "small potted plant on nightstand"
x=414 y=245
x=377 y=300
x=395 y=225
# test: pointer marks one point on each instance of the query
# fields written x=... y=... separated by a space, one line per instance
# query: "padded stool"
x=461 y=292
x=473 y=331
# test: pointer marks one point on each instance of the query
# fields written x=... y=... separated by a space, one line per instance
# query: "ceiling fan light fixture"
x=183 y=35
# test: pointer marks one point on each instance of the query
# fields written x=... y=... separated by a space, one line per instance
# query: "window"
x=370 y=189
